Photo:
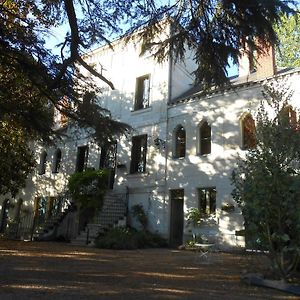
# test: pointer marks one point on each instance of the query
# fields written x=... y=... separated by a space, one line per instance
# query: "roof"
x=234 y=82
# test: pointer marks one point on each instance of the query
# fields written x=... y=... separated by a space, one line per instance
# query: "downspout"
x=170 y=80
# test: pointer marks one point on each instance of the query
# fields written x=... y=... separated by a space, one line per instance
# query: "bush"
x=139 y=213
x=88 y=188
x=129 y=238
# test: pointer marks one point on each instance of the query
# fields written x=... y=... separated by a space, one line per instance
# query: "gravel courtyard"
x=32 y=270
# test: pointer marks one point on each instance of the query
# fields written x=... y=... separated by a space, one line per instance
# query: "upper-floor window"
x=82 y=158
x=180 y=142
x=288 y=116
x=207 y=200
x=43 y=162
x=56 y=161
x=248 y=132
x=138 y=154
x=142 y=92
x=204 y=138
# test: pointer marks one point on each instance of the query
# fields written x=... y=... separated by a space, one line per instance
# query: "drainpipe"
x=170 y=77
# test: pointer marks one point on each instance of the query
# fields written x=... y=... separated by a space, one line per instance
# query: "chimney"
x=265 y=60
x=260 y=63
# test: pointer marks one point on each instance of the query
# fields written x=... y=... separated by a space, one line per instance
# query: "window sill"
x=178 y=158
x=203 y=155
x=137 y=175
x=142 y=110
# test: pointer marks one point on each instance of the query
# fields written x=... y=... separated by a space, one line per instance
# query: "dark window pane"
x=249 y=139
x=82 y=157
x=180 y=142
x=138 y=154
x=205 y=139
x=142 y=92
x=43 y=161
x=57 y=161
x=207 y=200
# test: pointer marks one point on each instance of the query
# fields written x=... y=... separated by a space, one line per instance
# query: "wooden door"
x=176 y=217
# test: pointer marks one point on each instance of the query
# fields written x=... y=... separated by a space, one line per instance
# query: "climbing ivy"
x=88 y=188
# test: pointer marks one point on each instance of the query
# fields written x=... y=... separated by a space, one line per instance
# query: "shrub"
x=139 y=213
x=129 y=238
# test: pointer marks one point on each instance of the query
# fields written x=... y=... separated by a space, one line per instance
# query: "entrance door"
x=177 y=217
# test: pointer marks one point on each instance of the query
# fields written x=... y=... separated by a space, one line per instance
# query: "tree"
x=16 y=159
x=267 y=184
x=288 y=51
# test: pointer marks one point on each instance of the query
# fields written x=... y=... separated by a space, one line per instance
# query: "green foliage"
x=139 y=213
x=129 y=238
x=16 y=159
x=288 y=51
x=88 y=188
x=194 y=216
x=267 y=186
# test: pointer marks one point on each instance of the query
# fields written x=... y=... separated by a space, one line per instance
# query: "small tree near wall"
x=267 y=183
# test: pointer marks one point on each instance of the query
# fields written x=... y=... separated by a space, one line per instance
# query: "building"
x=182 y=150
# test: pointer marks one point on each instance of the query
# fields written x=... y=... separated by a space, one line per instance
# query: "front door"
x=177 y=217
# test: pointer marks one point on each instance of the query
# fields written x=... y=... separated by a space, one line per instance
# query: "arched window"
x=43 y=161
x=204 y=138
x=56 y=161
x=180 y=142
x=248 y=132
x=288 y=116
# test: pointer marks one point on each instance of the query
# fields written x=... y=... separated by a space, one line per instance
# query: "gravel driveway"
x=44 y=270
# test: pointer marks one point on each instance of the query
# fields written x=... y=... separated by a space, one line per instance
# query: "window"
x=142 y=92
x=248 y=132
x=207 y=200
x=108 y=156
x=56 y=161
x=288 y=116
x=82 y=157
x=205 y=138
x=138 y=154
x=43 y=161
x=180 y=142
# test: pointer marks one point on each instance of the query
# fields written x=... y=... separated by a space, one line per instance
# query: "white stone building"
x=183 y=146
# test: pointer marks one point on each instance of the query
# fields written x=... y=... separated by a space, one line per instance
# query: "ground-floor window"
x=207 y=200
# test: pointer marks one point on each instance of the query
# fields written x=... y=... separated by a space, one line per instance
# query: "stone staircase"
x=113 y=213
x=48 y=230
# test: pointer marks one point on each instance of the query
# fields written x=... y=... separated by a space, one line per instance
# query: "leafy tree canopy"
x=288 y=50
x=16 y=159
